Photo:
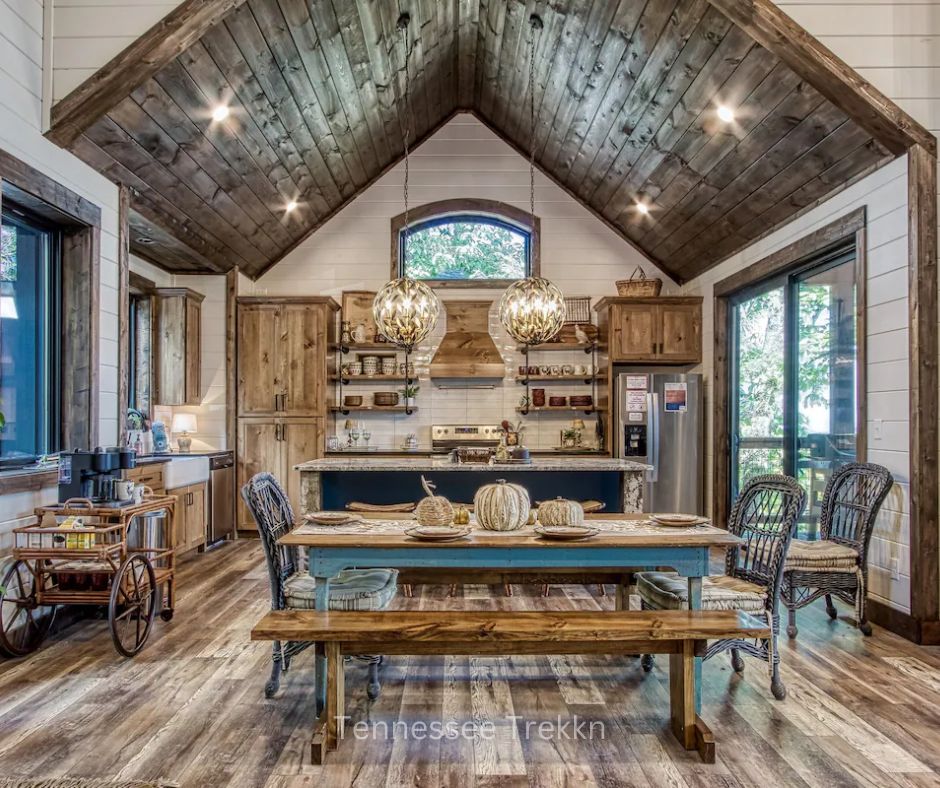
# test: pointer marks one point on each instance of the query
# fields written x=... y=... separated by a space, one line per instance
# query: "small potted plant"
x=569 y=438
x=409 y=392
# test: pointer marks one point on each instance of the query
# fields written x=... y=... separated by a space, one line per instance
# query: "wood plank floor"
x=190 y=708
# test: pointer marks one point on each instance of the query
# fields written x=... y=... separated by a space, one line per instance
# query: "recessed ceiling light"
x=643 y=208
x=220 y=113
x=725 y=113
x=291 y=206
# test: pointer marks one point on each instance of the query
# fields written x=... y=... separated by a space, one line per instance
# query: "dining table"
x=623 y=542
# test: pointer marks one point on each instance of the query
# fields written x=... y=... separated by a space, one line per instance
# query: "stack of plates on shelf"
x=332 y=518
x=679 y=520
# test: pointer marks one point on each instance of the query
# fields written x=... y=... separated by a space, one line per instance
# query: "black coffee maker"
x=90 y=474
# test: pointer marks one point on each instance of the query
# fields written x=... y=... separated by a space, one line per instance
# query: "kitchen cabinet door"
x=301 y=440
x=177 y=349
x=301 y=336
x=193 y=359
x=634 y=332
x=258 y=389
x=680 y=333
x=258 y=450
x=196 y=516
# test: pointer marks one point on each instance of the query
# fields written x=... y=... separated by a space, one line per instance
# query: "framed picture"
x=357 y=310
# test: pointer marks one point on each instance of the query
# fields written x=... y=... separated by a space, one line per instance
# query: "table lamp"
x=183 y=424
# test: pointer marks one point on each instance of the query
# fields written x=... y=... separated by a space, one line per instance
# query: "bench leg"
x=682 y=694
x=687 y=726
x=335 y=695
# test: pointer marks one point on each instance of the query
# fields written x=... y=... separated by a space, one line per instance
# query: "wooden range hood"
x=467 y=350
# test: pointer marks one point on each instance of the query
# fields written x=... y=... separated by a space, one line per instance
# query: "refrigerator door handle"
x=652 y=419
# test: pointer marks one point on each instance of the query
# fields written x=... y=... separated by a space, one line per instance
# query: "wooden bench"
x=681 y=634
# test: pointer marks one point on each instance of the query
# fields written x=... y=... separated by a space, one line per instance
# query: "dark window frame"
x=490 y=211
x=49 y=433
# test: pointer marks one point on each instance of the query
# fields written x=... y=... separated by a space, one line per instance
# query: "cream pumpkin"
x=501 y=506
x=561 y=511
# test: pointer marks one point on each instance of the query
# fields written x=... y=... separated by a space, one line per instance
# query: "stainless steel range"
x=447 y=437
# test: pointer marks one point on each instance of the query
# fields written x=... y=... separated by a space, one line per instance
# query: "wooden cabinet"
x=150 y=475
x=282 y=356
x=276 y=445
x=191 y=516
x=177 y=349
x=652 y=330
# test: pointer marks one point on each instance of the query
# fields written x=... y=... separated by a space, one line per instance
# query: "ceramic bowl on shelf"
x=581 y=400
x=557 y=402
x=385 y=398
x=352 y=400
x=370 y=365
x=388 y=365
x=354 y=368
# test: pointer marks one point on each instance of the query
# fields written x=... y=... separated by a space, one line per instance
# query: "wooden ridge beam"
x=129 y=69
x=838 y=82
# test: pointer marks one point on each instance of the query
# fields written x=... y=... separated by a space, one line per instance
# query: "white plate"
x=437 y=533
x=566 y=533
x=678 y=520
x=331 y=518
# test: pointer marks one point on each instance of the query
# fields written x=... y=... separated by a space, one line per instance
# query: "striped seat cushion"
x=351 y=589
x=821 y=556
x=669 y=591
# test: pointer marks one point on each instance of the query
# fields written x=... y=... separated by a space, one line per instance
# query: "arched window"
x=468 y=243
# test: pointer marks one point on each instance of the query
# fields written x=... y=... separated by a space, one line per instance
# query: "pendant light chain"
x=403 y=24
x=536 y=24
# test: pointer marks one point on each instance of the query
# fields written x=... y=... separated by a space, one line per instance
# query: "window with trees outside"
x=466 y=242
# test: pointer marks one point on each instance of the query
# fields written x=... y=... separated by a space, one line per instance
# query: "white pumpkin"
x=561 y=512
x=501 y=506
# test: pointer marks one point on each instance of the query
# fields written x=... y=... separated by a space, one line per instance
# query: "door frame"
x=849 y=228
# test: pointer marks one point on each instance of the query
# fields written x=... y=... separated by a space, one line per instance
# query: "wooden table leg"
x=695 y=603
x=322 y=604
x=335 y=694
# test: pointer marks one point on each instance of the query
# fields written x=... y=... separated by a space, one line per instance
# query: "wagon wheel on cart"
x=24 y=623
x=134 y=597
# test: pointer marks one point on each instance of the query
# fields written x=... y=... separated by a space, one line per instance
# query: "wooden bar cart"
x=119 y=557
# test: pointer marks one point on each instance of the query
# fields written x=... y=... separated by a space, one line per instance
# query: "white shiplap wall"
x=464 y=159
x=20 y=113
x=884 y=196
x=88 y=33
x=896 y=46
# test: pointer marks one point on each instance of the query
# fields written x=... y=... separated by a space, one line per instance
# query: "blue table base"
x=327 y=562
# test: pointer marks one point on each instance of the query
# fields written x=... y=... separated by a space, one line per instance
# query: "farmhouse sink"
x=183 y=471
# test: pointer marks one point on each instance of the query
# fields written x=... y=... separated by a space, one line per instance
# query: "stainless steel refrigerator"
x=660 y=421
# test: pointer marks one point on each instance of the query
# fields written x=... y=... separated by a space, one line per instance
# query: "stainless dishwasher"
x=221 y=498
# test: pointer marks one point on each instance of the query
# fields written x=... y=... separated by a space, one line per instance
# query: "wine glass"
x=354 y=433
x=366 y=434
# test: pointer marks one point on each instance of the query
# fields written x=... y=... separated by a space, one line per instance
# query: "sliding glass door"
x=794 y=373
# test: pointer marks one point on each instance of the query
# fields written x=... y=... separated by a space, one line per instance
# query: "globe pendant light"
x=405 y=310
x=532 y=310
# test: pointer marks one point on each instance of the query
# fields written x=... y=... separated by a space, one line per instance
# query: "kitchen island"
x=334 y=482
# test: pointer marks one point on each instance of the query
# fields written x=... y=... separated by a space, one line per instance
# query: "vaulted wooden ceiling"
x=626 y=93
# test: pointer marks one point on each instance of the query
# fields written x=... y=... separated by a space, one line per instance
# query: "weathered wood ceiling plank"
x=626 y=93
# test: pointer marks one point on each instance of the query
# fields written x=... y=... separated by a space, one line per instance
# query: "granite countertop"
x=438 y=463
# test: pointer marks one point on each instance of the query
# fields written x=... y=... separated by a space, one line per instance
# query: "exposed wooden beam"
x=124 y=249
x=924 y=386
x=815 y=63
x=129 y=69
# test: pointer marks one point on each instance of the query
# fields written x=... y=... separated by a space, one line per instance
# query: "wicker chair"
x=764 y=516
x=292 y=587
x=836 y=564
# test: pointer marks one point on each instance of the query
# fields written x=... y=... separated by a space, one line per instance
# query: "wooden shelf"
x=388 y=347
x=371 y=408
x=351 y=379
x=561 y=346
x=560 y=378
x=561 y=409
